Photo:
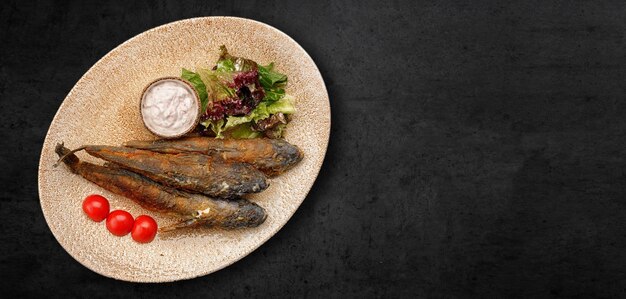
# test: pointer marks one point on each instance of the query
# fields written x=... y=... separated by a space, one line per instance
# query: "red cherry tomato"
x=120 y=223
x=144 y=230
x=96 y=207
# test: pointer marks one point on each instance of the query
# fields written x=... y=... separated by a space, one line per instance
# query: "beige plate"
x=102 y=109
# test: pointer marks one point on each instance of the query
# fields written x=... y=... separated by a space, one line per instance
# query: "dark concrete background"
x=477 y=148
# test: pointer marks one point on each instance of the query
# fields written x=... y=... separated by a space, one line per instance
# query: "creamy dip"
x=169 y=108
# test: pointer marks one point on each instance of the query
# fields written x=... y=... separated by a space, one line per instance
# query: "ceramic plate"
x=102 y=108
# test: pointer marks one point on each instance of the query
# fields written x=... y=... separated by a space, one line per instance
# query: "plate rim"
x=318 y=167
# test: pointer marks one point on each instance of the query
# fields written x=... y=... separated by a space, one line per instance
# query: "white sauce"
x=169 y=108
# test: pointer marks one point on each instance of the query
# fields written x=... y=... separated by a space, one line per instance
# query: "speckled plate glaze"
x=102 y=109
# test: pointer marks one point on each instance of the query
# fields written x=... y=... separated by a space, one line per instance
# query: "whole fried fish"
x=194 y=209
x=271 y=156
x=192 y=172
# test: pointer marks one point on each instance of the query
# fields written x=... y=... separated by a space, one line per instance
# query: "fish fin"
x=65 y=153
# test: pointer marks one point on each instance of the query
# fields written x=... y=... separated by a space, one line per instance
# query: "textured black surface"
x=477 y=148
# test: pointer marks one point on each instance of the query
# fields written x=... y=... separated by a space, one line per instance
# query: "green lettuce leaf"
x=284 y=105
x=272 y=95
x=198 y=85
x=269 y=78
x=239 y=64
x=225 y=65
x=244 y=132
x=260 y=112
x=216 y=126
x=215 y=83
x=273 y=83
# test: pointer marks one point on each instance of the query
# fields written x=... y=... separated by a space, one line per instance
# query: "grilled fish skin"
x=271 y=156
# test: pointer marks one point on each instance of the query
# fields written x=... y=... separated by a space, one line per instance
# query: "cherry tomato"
x=120 y=223
x=96 y=207
x=144 y=230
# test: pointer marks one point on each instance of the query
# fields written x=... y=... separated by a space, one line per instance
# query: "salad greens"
x=198 y=85
x=241 y=98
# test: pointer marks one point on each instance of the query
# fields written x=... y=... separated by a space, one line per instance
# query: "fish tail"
x=67 y=156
